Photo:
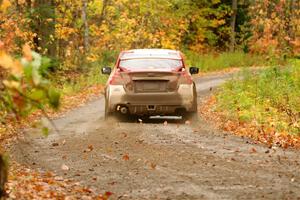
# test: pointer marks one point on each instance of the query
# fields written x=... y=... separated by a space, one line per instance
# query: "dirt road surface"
x=157 y=160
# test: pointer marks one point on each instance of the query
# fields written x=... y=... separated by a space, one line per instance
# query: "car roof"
x=150 y=53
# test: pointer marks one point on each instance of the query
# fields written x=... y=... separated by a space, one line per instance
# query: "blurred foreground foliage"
x=24 y=86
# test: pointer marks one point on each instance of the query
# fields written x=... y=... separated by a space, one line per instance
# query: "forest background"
x=63 y=44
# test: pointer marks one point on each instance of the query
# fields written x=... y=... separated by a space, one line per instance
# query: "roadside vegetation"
x=263 y=104
x=224 y=60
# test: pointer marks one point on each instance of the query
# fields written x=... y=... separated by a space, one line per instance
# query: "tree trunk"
x=3 y=175
x=232 y=25
x=44 y=25
x=103 y=10
x=86 y=25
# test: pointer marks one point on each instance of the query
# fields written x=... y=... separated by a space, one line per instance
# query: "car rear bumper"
x=150 y=103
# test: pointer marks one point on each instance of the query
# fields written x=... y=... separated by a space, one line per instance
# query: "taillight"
x=116 y=79
x=185 y=78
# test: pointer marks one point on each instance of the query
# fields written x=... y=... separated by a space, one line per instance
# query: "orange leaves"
x=8 y=63
x=153 y=166
x=15 y=28
x=89 y=149
x=27 y=52
x=126 y=157
x=105 y=196
x=269 y=27
x=253 y=150
x=24 y=183
x=5 y=5
x=64 y=33
x=296 y=45
x=13 y=66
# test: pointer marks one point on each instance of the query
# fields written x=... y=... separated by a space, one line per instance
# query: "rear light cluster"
x=116 y=79
x=185 y=78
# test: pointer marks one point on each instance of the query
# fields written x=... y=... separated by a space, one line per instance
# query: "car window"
x=151 y=63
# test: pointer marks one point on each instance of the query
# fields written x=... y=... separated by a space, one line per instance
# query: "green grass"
x=270 y=98
x=215 y=62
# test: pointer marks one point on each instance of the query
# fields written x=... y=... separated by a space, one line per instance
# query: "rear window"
x=151 y=63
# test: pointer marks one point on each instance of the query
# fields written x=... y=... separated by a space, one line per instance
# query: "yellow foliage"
x=92 y=58
x=27 y=52
x=6 y=61
x=5 y=5
x=12 y=84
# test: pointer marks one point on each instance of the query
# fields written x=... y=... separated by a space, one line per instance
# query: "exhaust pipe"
x=124 y=110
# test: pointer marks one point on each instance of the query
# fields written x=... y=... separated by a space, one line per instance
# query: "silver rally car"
x=147 y=82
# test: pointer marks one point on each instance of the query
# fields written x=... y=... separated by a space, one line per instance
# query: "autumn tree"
x=40 y=16
x=234 y=8
x=275 y=27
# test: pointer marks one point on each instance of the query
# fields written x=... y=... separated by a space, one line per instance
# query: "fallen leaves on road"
x=55 y=144
x=124 y=134
x=253 y=150
x=25 y=183
x=126 y=157
x=89 y=149
x=153 y=166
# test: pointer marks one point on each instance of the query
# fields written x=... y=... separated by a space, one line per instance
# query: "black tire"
x=107 y=114
x=195 y=102
x=192 y=115
x=113 y=116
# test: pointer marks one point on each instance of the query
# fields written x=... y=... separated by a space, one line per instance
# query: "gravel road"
x=158 y=160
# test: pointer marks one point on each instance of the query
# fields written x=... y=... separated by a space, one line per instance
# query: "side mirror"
x=194 y=70
x=106 y=70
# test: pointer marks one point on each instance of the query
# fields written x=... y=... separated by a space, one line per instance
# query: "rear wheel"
x=195 y=103
x=193 y=114
x=190 y=116
x=107 y=115
x=113 y=116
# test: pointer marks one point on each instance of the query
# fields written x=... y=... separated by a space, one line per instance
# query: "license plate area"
x=151 y=107
x=148 y=86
